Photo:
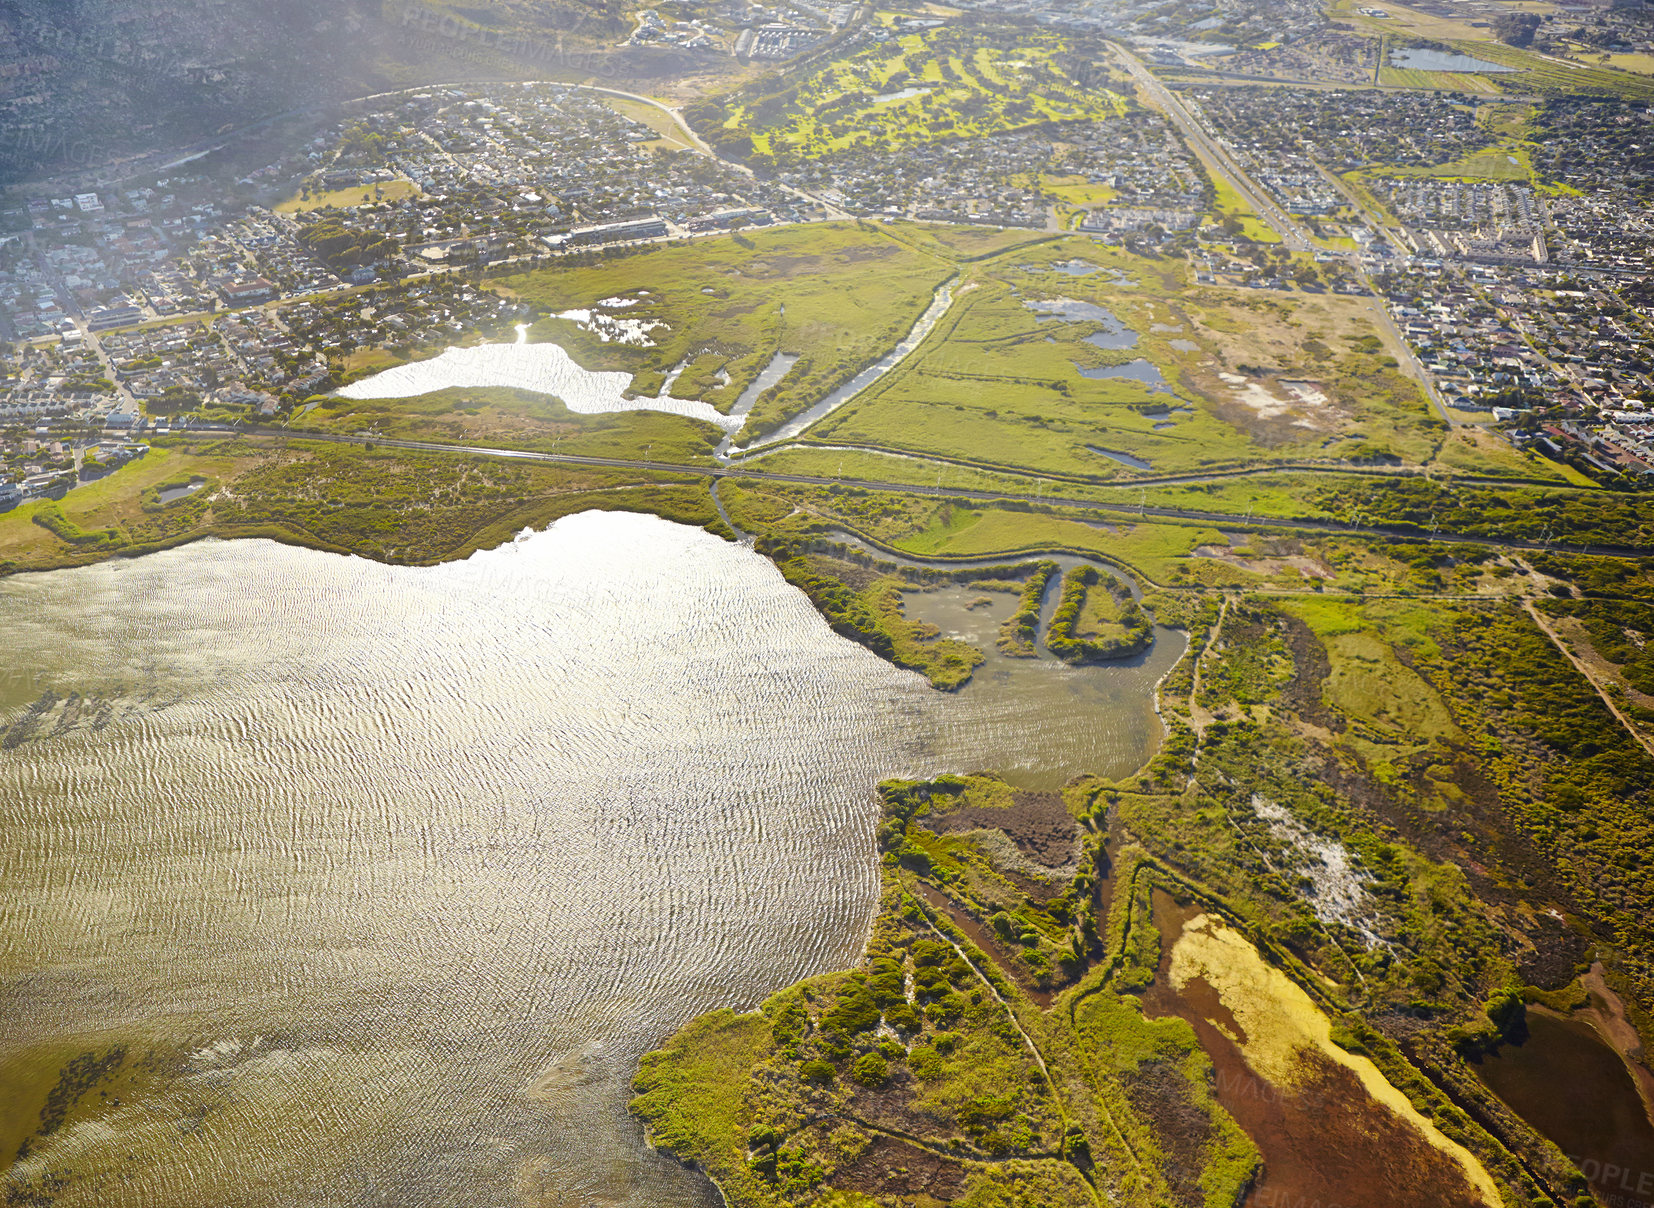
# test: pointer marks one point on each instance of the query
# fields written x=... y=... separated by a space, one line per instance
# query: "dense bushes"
x=873 y=617
x=1619 y=631
x=1062 y=639
x=1423 y=506
x=1570 y=778
x=871 y=1069
x=1021 y=629
x=51 y=518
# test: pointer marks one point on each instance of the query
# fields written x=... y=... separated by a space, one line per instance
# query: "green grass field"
x=346 y=199
x=998 y=385
x=730 y=305
x=905 y=90
x=1227 y=203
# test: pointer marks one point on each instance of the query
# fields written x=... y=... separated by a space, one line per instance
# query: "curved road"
x=718 y=473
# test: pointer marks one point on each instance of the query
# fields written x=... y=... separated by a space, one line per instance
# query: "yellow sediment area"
x=1281 y=1023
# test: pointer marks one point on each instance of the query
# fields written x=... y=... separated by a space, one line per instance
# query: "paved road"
x=1327 y=466
x=717 y=473
x=1262 y=204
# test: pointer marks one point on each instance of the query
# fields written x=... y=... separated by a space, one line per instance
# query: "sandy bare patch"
x=1309 y=568
x=1300 y=403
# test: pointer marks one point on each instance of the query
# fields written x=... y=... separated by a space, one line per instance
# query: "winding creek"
x=369 y=884
x=939 y=304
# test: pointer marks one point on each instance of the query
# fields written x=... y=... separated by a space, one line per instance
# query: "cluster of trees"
x=1421 y=507
x=361 y=145
x=1516 y=29
x=343 y=248
x=173 y=400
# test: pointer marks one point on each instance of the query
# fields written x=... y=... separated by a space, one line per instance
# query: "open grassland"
x=958 y=244
x=729 y=306
x=909 y=89
x=516 y=419
x=113 y=507
x=346 y=199
x=1510 y=159
x=1503 y=163
x=1390 y=76
x=1229 y=204
x=1638 y=63
x=673 y=137
x=1245 y=377
x=1437 y=27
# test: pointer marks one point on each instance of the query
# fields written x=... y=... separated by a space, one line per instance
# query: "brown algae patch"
x=1283 y=1036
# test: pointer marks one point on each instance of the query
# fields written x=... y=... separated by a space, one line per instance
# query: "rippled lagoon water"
x=335 y=883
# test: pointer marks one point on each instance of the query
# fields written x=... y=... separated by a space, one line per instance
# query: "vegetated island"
x=1097 y=619
x=861 y=598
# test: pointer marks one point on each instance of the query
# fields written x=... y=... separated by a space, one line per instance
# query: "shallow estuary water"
x=543 y=368
x=348 y=884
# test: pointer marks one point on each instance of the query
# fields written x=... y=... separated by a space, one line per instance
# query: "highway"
x=1211 y=150
x=1266 y=207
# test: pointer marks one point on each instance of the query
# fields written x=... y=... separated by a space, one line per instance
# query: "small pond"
x=904 y=94
x=1144 y=372
x=1114 y=333
x=1573 y=1088
x=183 y=491
x=1442 y=60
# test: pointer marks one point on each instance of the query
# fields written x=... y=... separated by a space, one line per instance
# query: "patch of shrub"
x=871 y=1069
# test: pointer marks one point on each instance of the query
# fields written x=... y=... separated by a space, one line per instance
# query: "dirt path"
x=1199 y=716
x=1580 y=666
x=1039 y=1058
